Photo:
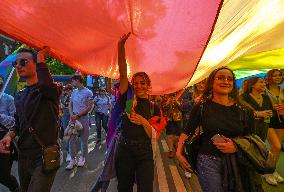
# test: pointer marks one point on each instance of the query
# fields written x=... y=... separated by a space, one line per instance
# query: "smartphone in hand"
x=217 y=138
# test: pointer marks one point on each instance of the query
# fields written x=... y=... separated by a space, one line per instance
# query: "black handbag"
x=191 y=147
x=192 y=144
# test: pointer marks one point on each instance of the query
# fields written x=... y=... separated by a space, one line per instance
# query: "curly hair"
x=209 y=85
x=145 y=77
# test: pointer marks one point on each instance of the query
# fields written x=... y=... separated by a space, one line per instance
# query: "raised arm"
x=122 y=64
x=44 y=75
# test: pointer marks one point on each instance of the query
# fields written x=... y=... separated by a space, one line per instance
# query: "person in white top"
x=79 y=107
x=274 y=78
x=102 y=105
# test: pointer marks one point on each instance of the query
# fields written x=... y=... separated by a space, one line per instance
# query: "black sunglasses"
x=22 y=62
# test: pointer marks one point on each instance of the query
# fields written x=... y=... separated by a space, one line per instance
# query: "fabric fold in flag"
x=168 y=37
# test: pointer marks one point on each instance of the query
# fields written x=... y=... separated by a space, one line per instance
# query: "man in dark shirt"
x=36 y=106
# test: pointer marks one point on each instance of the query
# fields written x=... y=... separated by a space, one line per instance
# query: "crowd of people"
x=45 y=112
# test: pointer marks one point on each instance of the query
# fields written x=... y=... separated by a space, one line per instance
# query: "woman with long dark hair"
x=220 y=115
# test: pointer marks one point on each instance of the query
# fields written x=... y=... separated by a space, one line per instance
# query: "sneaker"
x=171 y=154
x=269 y=178
x=278 y=177
x=81 y=162
x=71 y=164
x=68 y=158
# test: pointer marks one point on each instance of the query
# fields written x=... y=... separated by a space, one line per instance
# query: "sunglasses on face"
x=223 y=78
x=22 y=62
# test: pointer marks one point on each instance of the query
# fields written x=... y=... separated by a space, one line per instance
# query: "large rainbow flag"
x=177 y=43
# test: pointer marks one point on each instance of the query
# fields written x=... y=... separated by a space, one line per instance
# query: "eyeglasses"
x=223 y=78
x=22 y=62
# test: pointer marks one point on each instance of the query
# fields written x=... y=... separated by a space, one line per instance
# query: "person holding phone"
x=274 y=79
x=219 y=114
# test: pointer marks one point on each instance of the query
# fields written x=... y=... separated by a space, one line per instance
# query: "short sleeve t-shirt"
x=103 y=104
x=80 y=99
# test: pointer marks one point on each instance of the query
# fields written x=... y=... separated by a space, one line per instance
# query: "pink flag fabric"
x=168 y=37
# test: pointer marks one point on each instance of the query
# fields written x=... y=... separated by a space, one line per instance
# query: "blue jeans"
x=209 y=170
x=101 y=120
x=65 y=121
x=65 y=118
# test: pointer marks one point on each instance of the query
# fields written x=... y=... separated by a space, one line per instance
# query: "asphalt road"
x=168 y=176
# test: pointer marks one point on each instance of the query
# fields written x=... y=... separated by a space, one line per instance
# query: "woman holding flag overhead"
x=134 y=156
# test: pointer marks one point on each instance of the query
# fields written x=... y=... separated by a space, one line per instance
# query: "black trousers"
x=135 y=163
x=5 y=173
x=6 y=163
x=32 y=177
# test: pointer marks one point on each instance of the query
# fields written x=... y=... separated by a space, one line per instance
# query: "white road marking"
x=162 y=180
x=177 y=179
x=165 y=145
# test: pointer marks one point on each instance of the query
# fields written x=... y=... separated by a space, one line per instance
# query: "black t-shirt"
x=44 y=96
x=217 y=119
x=130 y=130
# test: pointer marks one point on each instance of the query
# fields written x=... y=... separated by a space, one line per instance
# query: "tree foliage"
x=59 y=68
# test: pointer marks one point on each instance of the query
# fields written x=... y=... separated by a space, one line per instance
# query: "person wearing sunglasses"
x=37 y=106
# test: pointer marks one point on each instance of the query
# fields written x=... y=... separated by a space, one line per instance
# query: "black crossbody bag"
x=50 y=154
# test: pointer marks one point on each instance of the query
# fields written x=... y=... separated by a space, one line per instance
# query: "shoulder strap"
x=200 y=131
x=28 y=121
x=33 y=131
